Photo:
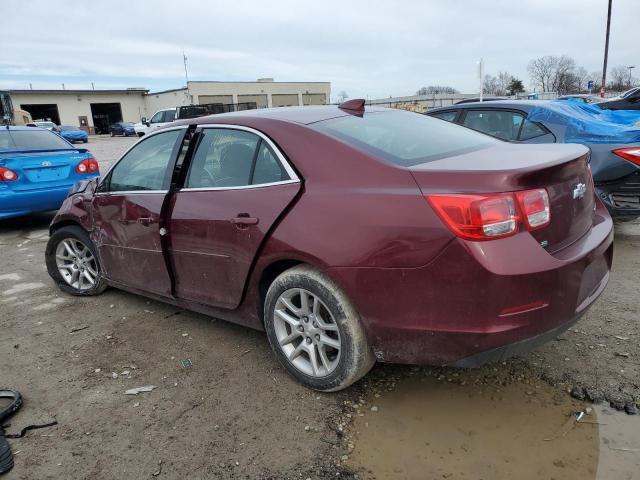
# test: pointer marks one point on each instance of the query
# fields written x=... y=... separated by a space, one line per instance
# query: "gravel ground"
x=230 y=411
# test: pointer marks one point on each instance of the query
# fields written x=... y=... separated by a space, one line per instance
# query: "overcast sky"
x=366 y=48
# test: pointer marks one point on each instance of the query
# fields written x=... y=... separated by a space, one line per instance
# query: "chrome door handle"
x=242 y=220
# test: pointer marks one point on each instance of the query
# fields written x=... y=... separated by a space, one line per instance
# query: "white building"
x=95 y=110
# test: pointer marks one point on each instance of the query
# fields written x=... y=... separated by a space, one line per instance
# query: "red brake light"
x=7 y=175
x=632 y=154
x=89 y=165
x=534 y=205
x=477 y=217
x=491 y=216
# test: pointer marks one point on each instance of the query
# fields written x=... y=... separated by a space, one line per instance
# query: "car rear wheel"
x=315 y=331
x=72 y=262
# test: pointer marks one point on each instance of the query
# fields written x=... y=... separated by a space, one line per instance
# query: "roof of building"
x=79 y=91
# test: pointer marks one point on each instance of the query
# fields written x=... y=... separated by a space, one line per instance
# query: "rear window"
x=35 y=139
x=404 y=138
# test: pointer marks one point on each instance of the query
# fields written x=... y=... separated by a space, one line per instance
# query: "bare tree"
x=542 y=70
x=497 y=85
x=491 y=85
x=619 y=78
x=436 y=89
x=504 y=80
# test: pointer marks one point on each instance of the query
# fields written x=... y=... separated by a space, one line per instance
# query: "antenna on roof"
x=355 y=105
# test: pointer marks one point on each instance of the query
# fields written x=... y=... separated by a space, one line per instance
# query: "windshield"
x=630 y=92
x=34 y=139
x=404 y=138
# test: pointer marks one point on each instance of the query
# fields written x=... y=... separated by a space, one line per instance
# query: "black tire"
x=85 y=141
x=356 y=357
x=77 y=233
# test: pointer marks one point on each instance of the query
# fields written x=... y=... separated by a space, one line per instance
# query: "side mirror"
x=143 y=120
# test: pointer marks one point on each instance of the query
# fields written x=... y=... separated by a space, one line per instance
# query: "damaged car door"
x=127 y=213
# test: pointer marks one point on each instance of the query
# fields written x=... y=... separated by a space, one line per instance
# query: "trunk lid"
x=562 y=170
x=43 y=168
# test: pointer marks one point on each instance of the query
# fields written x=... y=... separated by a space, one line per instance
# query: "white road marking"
x=10 y=276
x=23 y=287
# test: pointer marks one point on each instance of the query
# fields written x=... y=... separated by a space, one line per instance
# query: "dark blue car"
x=612 y=136
x=73 y=134
x=122 y=128
x=37 y=170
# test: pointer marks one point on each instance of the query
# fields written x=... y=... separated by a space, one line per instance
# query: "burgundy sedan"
x=350 y=236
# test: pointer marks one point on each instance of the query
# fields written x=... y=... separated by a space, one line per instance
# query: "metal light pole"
x=630 y=67
x=606 y=52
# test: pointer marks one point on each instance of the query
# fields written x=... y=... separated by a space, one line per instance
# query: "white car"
x=159 y=119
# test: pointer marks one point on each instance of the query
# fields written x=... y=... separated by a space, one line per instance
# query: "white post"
x=481 y=75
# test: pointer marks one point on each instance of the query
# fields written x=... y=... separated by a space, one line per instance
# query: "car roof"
x=302 y=115
x=509 y=104
x=20 y=127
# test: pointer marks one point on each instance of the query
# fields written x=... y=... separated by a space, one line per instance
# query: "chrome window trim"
x=239 y=187
x=130 y=192
x=142 y=139
x=287 y=166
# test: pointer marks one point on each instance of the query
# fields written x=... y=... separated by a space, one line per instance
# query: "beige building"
x=95 y=110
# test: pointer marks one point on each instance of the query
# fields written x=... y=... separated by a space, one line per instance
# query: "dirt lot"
x=222 y=406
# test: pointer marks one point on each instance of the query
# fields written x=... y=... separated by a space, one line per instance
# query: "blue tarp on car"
x=589 y=123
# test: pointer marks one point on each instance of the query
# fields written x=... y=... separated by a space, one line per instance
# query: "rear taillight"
x=477 y=217
x=491 y=216
x=534 y=205
x=88 y=166
x=7 y=175
x=632 y=154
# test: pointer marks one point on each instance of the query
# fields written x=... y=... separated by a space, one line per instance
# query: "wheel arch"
x=54 y=227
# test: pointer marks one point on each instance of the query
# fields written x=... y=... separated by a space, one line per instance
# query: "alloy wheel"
x=76 y=264
x=307 y=332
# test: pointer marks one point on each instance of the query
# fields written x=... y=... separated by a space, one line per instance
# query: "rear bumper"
x=13 y=204
x=622 y=198
x=480 y=301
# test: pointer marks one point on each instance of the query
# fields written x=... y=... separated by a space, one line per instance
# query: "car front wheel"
x=315 y=331
x=72 y=262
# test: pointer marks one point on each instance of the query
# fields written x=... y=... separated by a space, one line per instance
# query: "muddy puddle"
x=430 y=429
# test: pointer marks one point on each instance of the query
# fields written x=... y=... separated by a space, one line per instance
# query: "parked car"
x=629 y=100
x=348 y=235
x=477 y=99
x=122 y=128
x=37 y=169
x=52 y=127
x=584 y=98
x=158 y=120
x=73 y=134
x=615 y=162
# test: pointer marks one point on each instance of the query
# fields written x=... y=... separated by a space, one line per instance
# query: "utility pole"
x=630 y=67
x=606 y=52
x=481 y=76
x=186 y=76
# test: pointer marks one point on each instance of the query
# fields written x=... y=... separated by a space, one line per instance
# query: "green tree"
x=515 y=86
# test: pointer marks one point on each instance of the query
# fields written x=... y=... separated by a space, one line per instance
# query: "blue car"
x=613 y=136
x=37 y=170
x=73 y=134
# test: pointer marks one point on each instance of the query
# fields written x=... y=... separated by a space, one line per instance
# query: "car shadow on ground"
x=27 y=223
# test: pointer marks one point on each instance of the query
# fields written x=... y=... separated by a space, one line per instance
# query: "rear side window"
x=498 y=123
x=233 y=158
x=531 y=130
x=447 y=116
x=35 y=139
x=403 y=138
